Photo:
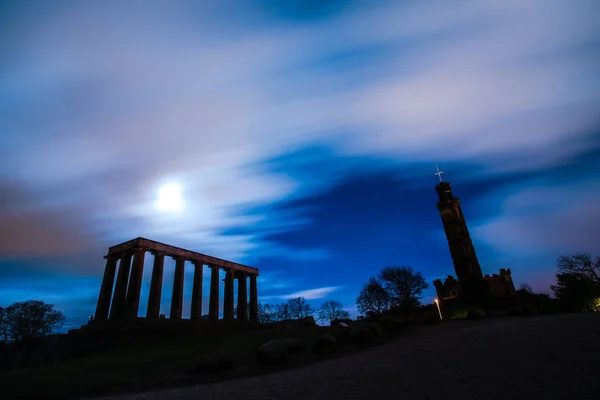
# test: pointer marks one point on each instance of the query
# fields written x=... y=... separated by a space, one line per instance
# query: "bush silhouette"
x=360 y=336
x=475 y=313
x=325 y=344
x=457 y=313
x=389 y=323
x=374 y=328
x=431 y=316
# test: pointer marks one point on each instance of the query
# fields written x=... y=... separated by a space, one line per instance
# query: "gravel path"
x=552 y=357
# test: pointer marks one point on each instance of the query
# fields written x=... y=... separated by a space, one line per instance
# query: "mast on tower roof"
x=439 y=173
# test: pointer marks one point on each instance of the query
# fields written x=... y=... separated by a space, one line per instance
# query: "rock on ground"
x=215 y=361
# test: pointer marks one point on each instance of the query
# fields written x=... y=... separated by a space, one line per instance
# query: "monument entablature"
x=155 y=247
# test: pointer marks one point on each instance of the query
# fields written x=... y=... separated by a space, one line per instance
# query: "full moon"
x=169 y=198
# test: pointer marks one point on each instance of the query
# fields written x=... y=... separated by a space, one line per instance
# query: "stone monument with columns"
x=120 y=300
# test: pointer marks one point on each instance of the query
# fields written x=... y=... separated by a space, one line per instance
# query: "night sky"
x=295 y=137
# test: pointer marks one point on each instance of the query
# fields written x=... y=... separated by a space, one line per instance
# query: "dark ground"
x=554 y=357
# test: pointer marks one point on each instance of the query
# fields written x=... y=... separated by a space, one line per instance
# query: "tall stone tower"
x=464 y=258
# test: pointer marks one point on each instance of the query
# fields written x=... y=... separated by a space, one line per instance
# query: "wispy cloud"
x=273 y=280
x=312 y=294
x=487 y=83
x=546 y=218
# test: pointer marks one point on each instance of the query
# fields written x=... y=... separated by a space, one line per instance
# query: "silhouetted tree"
x=576 y=292
x=266 y=313
x=282 y=312
x=525 y=288
x=32 y=319
x=299 y=309
x=3 y=326
x=578 y=282
x=332 y=310
x=295 y=308
x=582 y=265
x=542 y=302
x=373 y=298
x=403 y=285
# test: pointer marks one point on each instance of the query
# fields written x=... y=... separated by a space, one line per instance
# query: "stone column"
x=177 y=299
x=156 y=286
x=197 y=291
x=107 y=287
x=135 y=283
x=213 y=306
x=253 y=299
x=228 y=303
x=120 y=295
x=242 y=296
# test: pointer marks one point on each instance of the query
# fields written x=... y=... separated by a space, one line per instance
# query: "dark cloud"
x=30 y=231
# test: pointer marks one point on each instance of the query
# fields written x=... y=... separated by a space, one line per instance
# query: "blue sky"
x=303 y=136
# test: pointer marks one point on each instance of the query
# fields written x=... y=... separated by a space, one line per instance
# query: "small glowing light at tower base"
x=437 y=303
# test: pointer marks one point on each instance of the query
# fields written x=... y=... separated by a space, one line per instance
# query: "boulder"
x=215 y=361
x=325 y=344
x=374 y=328
x=294 y=345
x=360 y=336
x=338 y=332
x=344 y=322
x=272 y=353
